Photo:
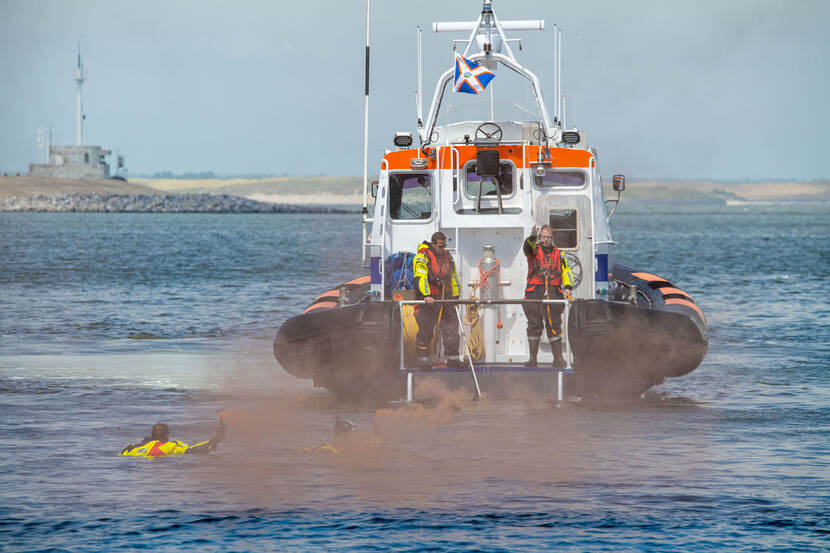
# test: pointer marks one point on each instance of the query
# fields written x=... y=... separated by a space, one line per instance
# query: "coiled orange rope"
x=484 y=278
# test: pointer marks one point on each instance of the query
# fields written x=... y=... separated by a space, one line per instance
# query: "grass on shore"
x=292 y=186
x=350 y=189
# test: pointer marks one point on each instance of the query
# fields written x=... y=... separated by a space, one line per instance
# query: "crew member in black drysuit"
x=547 y=275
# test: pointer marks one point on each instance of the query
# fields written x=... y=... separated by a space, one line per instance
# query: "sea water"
x=112 y=322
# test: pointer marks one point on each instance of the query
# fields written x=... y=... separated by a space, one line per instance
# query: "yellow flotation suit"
x=156 y=448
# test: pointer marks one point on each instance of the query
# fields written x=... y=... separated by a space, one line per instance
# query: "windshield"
x=410 y=196
x=490 y=186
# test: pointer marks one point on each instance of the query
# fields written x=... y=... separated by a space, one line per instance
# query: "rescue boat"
x=485 y=183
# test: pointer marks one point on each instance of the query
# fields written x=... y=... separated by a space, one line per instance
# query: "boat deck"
x=484 y=369
x=488 y=368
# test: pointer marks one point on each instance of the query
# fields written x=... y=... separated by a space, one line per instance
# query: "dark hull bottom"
x=620 y=350
x=351 y=351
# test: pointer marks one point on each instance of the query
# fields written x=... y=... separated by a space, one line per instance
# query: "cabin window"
x=562 y=178
x=489 y=185
x=410 y=196
x=563 y=222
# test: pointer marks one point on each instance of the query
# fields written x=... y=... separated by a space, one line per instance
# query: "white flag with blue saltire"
x=470 y=77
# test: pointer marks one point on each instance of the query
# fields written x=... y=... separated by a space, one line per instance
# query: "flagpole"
x=555 y=77
x=560 y=108
x=419 y=94
x=366 y=143
x=492 y=112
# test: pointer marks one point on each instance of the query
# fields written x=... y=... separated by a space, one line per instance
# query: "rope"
x=475 y=335
x=484 y=276
x=484 y=279
x=547 y=306
x=547 y=291
x=437 y=328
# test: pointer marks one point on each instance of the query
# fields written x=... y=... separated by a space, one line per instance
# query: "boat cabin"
x=448 y=187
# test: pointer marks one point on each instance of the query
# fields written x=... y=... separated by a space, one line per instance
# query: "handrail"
x=481 y=302
x=457 y=176
x=462 y=142
x=551 y=133
x=565 y=338
x=382 y=264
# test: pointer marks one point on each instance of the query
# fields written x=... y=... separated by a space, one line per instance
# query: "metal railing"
x=566 y=345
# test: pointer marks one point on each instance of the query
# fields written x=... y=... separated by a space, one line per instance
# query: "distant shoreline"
x=155 y=203
x=311 y=199
x=347 y=191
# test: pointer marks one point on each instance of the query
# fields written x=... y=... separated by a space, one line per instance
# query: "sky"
x=710 y=89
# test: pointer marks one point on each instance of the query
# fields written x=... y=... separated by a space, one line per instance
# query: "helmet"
x=342 y=426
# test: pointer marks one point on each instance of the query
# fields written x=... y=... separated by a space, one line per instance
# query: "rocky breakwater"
x=154 y=203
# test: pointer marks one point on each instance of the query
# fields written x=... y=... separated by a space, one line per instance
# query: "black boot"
x=534 y=351
x=558 y=360
x=422 y=359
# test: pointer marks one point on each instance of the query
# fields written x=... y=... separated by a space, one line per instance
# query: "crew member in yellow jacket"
x=159 y=444
x=436 y=279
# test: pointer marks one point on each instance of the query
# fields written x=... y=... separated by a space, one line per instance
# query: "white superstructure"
x=545 y=175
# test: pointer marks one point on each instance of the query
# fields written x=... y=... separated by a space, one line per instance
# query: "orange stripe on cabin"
x=328 y=304
x=668 y=290
x=520 y=157
x=329 y=294
x=360 y=280
x=678 y=301
x=561 y=157
x=399 y=159
x=650 y=277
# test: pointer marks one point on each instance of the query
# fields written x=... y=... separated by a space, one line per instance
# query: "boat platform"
x=477 y=367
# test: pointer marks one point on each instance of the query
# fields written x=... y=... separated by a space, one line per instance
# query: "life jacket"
x=155 y=448
x=435 y=277
x=542 y=266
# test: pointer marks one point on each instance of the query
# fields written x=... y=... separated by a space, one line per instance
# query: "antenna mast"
x=487 y=35
x=419 y=92
x=40 y=145
x=80 y=77
x=559 y=101
x=366 y=143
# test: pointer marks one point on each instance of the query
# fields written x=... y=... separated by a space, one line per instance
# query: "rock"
x=155 y=203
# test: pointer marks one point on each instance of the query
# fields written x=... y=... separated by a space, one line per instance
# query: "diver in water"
x=345 y=439
x=159 y=443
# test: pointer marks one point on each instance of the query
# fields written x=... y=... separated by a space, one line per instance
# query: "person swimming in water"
x=345 y=439
x=159 y=444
